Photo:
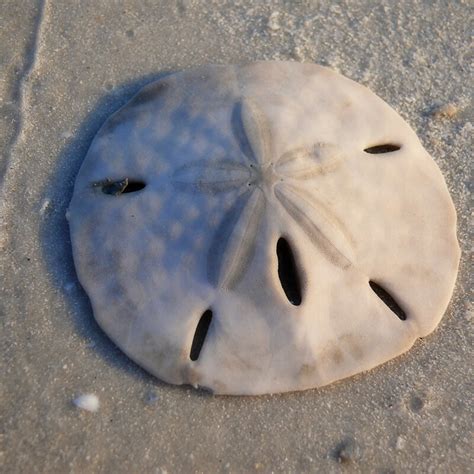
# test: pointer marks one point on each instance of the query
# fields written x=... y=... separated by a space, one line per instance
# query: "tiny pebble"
x=88 y=402
x=401 y=442
x=152 y=398
x=346 y=451
x=445 y=111
x=273 y=21
x=45 y=206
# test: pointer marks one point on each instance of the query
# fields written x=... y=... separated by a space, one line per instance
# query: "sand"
x=65 y=67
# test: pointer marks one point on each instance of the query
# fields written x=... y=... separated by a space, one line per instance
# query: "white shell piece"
x=88 y=402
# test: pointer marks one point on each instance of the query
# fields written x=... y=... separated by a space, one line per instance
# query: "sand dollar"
x=262 y=228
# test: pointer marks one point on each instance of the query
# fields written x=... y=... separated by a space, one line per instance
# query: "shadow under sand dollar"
x=54 y=229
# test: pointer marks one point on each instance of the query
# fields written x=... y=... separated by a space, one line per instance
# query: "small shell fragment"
x=88 y=402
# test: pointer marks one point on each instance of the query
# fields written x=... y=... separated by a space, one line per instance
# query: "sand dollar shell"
x=262 y=228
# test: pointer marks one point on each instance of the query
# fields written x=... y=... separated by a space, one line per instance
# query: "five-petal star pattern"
x=255 y=176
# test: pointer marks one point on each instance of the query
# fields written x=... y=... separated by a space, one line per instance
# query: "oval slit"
x=388 y=299
x=200 y=334
x=288 y=272
x=122 y=186
x=385 y=148
x=133 y=187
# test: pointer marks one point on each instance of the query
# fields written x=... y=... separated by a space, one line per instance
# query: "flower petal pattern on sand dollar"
x=309 y=162
x=257 y=130
x=233 y=244
x=211 y=176
x=325 y=235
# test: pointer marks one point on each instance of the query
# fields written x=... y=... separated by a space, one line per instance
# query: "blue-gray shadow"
x=54 y=229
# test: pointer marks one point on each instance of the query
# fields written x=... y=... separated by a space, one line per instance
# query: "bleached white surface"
x=88 y=402
x=232 y=159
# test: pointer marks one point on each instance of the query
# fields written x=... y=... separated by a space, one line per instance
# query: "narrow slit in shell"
x=388 y=299
x=384 y=148
x=288 y=272
x=200 y=334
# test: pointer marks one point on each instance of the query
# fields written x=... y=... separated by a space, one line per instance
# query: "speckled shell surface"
x=231 y=159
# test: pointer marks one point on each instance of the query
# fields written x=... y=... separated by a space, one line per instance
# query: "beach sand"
x=66 y=66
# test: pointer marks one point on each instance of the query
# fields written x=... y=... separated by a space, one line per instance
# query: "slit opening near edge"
x=388 y=300
x=124 y=186
x=200 y=334
x=383 y=148
x=134 y=186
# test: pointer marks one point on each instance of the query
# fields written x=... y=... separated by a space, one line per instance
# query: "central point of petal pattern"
x=269 y=177
x=264 y=177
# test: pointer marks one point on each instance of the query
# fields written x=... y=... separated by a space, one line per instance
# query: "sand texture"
x=70 y=400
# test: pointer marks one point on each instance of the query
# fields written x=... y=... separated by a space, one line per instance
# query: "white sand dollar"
x=262 y=228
